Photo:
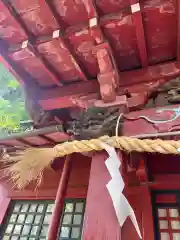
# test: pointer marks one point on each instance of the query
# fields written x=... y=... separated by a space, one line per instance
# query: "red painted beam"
x=59 y=202
x=131 y=81
x=138 y=22
x=178 y=30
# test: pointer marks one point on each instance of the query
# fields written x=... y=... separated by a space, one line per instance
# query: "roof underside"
x=60 y=43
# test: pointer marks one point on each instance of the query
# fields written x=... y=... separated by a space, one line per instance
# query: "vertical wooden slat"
x=59 y=202
x=138 y=22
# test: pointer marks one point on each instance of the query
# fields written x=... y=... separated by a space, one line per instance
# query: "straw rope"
x=127 y=144
x=30 y=164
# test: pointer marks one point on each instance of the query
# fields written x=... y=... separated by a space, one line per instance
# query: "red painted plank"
x=138 y=22
x=60 y=57
x=100 y=218
x=10 y=29
x=33 y=64
x=159 y=19
x=35 y=15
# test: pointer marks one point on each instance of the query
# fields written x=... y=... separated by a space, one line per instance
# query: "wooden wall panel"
x=77 y=187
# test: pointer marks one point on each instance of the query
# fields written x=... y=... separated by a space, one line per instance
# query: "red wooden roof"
x=90 y=49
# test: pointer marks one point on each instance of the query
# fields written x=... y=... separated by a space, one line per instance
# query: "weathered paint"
x=10 y=29
x=36 y=15
x=138 y=39
x=58 y=55
x=159 y=17
x=27 y=58
x=63 y=97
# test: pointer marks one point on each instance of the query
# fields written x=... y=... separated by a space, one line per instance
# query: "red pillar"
x=100 y=220
x=140 y=200
x=59 y=202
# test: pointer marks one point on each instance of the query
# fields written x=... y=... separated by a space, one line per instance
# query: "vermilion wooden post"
x=100 y=218
x=59 y=202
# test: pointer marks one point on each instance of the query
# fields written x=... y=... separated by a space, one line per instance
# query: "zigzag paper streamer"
x=115 y=187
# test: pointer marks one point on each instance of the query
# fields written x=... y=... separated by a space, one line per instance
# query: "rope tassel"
x=29 y=165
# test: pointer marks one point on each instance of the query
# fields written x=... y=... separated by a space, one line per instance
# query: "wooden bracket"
x=108 y=76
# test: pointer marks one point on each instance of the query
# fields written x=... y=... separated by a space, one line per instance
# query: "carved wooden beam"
x=135 y=85
x=108 y=76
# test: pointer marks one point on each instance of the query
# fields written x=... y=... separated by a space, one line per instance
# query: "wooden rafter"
x=31 y=39
x=48 y=139
x=58 y=19
x=20 y=74
x=108 y=76
x=138 y=22
x=26 y=143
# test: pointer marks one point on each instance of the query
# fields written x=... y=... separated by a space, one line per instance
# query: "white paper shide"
x=115 y=188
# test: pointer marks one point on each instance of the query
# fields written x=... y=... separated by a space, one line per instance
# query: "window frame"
x=74 y=200
x=163 y=205
x=6 y=220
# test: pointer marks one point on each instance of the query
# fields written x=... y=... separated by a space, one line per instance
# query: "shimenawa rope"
x=29 y=165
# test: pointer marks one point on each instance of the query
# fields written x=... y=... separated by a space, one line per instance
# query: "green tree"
x=12 y=106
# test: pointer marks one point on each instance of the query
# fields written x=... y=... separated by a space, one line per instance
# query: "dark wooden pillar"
x=59 y=202
x=100 y=219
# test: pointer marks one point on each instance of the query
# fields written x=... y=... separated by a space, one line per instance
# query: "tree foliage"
x=12 y=106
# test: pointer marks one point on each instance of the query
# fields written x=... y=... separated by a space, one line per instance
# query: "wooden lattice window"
x=72 y=220
x=166 y=207
x=169 y=223
x=29 y=220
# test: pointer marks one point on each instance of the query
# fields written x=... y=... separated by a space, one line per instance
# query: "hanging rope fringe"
x=30 y=164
